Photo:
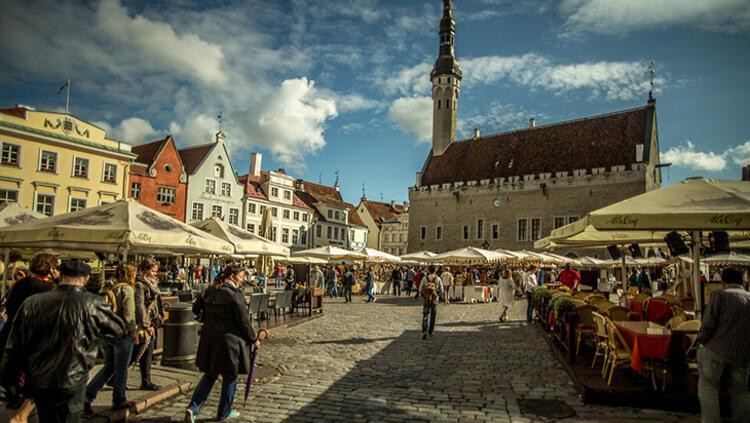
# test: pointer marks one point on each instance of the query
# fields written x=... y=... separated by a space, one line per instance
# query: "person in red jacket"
x=569 y=277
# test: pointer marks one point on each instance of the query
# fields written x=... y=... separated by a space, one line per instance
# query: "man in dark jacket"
x=54 y=341
x=396 y=280
x=224 y=348
x=347 y=281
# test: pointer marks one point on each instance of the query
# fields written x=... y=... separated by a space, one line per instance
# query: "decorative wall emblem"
x=68 y=126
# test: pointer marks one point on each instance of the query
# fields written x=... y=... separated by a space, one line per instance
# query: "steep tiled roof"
x=598 y=141
x=324 y=194
x=254 y=189
x=381 y=211
x=193 y=156
x=147 y=152
x=139 y=169
x=354 y=218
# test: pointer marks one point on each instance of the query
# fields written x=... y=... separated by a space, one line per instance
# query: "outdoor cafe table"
x=646 y=340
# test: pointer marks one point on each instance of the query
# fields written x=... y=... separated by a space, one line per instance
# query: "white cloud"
x=350 y=102
x=413 y=115
x=408 y=81
x=197 y=130
x=686 y=156
x=133 y=130
x=624 y=17
x=290 y=122
x=740 y=155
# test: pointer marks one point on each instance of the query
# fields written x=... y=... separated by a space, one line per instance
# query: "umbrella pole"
x=6 y=263
x=696 y=255
x=623 y=268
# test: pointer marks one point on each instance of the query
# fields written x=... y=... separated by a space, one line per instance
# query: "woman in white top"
x=505 y=290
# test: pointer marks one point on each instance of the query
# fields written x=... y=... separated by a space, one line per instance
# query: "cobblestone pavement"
x=367 y=362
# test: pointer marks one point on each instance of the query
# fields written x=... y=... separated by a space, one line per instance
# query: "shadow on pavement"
x=353 y=341
x=399 y=301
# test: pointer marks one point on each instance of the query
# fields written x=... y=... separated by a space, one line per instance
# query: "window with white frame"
x=303 y=238
x=45 y=204
x=480 y=229
x=286 y=214
x=351 y=235
x=287 y=195
x=210 y=187
x=559 y=222
x=135 y=190
x=439 y=233
x=8 y=196
x=401 y=237
x=81 y=167
x=274 y=212
x=285 y=235
x=337 y=215
x=234 y=216
x=536 y=228
x=226 y=189
x=77 y=204
x=251 y=227
x=295 y=215
x=217 y=211
x=166 y=195
x=295 y=236
x=251 y=208
x=495 y=231
x=274 y=192
x=466 y=232
x=110 y=173
x=10 y=154
x=304 y=217
x=330 y=214
x=330 y=232
x=48 y=161
x=522 y=229
x=263 y=209
x=335 y=233
x=197 y=213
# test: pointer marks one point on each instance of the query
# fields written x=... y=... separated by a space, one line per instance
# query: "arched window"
x=218 y=171
x=448 y=103
x=438 y=104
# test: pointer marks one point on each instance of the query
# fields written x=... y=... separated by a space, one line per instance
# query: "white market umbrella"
x=419 y=257
x=377 y=256
x=591 y=262
x=513 y=254
x=727 y=259
x=301 y=260
x=330 y=252
x=244 y=242
x=120 y=227
x=471 y=255
x=13 y=214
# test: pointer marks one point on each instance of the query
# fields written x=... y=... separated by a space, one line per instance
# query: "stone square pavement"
x=367 y=362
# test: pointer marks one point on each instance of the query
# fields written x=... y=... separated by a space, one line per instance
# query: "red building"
x=158 y=179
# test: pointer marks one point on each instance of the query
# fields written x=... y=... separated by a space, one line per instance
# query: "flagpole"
x=67 y=98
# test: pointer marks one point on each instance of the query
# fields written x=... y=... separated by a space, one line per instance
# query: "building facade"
x=158 y=179
x=331 y=225
x=374 y=214
x=213 y=189
x=291 y=217
x=56 y=163
x=507 y=190
x=358 y=231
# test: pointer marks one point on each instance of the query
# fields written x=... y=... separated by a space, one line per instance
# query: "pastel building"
x=158 y=179
x=56 y=163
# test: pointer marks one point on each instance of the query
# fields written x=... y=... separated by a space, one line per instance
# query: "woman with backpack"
x=121 y=297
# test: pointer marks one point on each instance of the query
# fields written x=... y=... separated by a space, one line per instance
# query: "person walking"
x=289 y=278
x=227 y=337
x=279 y=275
x=54 y=341
x=724 y=351
x=529 y=285
x=332 y=282
x=149 y=315
x=370 y=286
x=447 y=277
x=409 y=280
x=430 y=291
x=505 y=293
x=347 y=281
x=396 y=281
x=121 y=298
x=644 y=281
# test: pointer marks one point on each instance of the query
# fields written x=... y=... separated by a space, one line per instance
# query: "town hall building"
x=509 y=189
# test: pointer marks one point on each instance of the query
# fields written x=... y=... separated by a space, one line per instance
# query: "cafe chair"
x=585 y=326
x=282 y=305
x=619 y=351
x=581 y=295
x=622 y=297
x=593 y=299
x=674 y=322
x=299 y=301
x=603 y=306
x=578 y=303
x=601 y=340
x=618 y=313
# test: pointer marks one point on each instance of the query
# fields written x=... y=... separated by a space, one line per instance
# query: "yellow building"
x=55 y=163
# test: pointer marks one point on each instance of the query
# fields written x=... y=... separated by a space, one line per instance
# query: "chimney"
x=255 y=160
x=532 y=123
x=300 y=185
x=476 y=133
x=406 y=206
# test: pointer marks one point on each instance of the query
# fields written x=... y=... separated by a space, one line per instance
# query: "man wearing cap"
x=54 y=341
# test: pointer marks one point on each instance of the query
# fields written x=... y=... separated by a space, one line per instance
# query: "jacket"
x=23 y=289
x=348 y=279
x=55 y=338
x=146 y=314
x=125 y=297
x=226 y=335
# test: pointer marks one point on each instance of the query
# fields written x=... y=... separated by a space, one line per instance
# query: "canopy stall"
x=329 y=253
x=419 y=257
x=376 y=256
x=13 y=214
x=244 y=242
x=728 y=259
x=471 y=255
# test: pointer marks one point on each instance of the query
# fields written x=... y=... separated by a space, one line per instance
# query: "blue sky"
x=323 y=85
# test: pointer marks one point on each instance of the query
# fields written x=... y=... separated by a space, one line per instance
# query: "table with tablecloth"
x=646 y=340
x=658 y=311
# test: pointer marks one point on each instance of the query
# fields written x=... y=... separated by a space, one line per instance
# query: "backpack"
x=430 y=291
x=111 y=294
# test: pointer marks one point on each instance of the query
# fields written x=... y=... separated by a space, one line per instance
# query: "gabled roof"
x=192 y=157
x=147 y=152
x=598 y=141
x=322 y=194
x=382 y=211
x=354 y=218
x=254 y=189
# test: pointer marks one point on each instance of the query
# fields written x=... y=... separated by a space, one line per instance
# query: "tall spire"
x=651 y=73
x=446 y=85
x=446 y=63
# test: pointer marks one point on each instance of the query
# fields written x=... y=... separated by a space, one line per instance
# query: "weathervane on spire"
x=364 y=195
x=221 y=119
x=651 y=74
x=336 y=182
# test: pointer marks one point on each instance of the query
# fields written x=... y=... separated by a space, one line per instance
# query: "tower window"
x=449 y=80
x=448 y=103
x=438 y=104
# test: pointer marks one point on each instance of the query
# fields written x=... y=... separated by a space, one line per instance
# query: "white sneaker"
x=189 y=417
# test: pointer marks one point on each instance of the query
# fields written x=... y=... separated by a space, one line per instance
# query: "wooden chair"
x=603 y=306
x=585 y=325
x=619 y=351
x=601 y=340
x=595 y=298
x=674 y=322
x=618 y=313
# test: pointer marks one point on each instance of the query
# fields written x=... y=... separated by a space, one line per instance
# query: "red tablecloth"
x=637 y=308
x=658 y=311
x=642 y=344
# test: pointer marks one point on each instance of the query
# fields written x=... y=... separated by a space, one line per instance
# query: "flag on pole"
x=62 y=88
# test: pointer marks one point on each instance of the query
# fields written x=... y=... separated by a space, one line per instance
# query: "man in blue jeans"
x=724 y=353
x=430 y=290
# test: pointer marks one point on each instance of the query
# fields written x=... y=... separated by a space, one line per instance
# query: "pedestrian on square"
x=347 y=281
x=331 y=282
x=227 y=337
x=370 y=287
x=396 y=281
x=505 y=290
x=117 y=354
x=430 y=290
x=409 y=281
x=724 y=351
x=149 y=315
x=317 y=279
x=289 y=278
x=529 y=285
x=54 y=341
x=190 y=275
x=644 y=281
x=447 y=277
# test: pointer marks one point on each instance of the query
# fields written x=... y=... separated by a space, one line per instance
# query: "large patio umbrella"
x=728 y=259
x=329 y=253
x=13 y=214
x=471 y=255
x=376 y=256
x=419 y=257
x=120 y=227
x=244 y=242
x=591 y=262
